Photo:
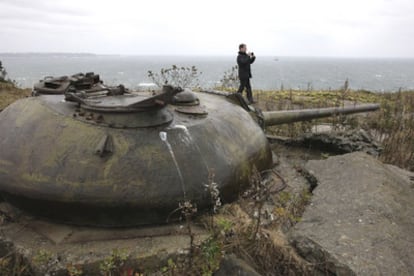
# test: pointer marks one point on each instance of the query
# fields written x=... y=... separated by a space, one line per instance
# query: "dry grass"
x=248 y=230
x=267 y=251
x=392 y=125
x=13 y=263
x=10 y=93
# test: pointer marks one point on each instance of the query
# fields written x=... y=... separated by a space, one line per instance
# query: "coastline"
x=269 y=72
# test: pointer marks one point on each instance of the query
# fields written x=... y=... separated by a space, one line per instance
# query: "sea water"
x=374 y=74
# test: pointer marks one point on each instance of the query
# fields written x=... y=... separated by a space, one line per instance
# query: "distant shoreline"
x=24 y=54
x=275 y=57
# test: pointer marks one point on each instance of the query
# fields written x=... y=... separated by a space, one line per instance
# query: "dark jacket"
x=244 y=61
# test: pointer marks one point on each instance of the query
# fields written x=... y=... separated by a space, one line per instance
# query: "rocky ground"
x=360 y=220
x=321 y=214
x=329 y=207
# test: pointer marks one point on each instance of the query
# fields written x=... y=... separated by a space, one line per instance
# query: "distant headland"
x=48 y=54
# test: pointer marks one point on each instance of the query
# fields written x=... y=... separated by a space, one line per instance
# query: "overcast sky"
x=340 y=28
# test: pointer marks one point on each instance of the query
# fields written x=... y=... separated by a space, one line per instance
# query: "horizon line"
x=200 y=55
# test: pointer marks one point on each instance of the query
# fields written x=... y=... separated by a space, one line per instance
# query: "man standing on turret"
x=244 y=59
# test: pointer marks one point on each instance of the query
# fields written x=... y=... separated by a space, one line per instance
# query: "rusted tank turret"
x=105 y=156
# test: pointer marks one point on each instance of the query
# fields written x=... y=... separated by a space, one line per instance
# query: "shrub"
x=230 y=80
x=184 y=77
x=3 y=73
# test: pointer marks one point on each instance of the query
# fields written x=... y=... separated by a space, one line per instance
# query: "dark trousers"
x=246 y=83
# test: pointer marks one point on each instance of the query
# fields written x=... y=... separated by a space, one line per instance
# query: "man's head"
x=242 y=48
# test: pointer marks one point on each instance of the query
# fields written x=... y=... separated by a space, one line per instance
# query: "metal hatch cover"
x=192 y=110
x=126 y=102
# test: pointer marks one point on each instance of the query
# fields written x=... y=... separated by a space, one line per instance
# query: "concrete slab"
x=51 y=248
x=361 y=218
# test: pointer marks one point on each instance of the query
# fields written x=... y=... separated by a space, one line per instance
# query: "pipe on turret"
x=291 y=116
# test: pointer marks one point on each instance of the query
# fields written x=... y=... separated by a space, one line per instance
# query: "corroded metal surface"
x=58 y=166
x=291 y=116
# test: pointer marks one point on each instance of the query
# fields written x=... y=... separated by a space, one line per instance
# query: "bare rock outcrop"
x=360 y=220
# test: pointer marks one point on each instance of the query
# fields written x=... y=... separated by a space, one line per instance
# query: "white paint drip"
x=180 y=127
x=163 y=137
x=188 y=140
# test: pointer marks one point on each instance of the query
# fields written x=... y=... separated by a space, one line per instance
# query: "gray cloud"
x=313 y=28
x=21 y=16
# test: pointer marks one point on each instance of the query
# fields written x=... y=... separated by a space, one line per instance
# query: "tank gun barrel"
x=291 y=116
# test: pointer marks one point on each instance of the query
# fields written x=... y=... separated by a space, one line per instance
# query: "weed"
x=284 y=198
x=14 y=264
x=224 y=225
x=114 y=264
x=212 y=189
x=289 y=208
x=325 y=155
x=171 y=268
x=188 y=210
x=212 y=252
x=260 y=193
x=43 y=257
x=74 y=270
